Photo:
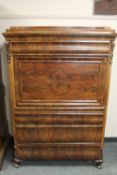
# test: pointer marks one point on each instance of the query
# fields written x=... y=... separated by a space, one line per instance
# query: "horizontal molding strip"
x=60 y=144
x=57 y=126
x=58 y=113
x=53 y=17
x=110 y=139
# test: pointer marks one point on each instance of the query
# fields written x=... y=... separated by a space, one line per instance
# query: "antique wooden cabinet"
x=4 y=137
x=59 y=81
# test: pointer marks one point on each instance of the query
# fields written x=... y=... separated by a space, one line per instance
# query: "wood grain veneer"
x=59 y=81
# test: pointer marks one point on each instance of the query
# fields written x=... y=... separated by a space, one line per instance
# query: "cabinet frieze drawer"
x=58 y=133
x=58 y=119
x=59 y=152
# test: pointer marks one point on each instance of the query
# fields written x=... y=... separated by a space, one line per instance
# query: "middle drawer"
x=58 y=133
x=61 y=119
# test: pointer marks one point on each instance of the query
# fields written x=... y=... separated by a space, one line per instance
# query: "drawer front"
x=59 y=152
x=58 y=133
x=59 y=119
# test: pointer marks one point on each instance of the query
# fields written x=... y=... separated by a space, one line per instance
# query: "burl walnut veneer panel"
x=59 y=80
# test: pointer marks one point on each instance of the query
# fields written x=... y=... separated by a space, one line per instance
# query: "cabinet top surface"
x=52 y=30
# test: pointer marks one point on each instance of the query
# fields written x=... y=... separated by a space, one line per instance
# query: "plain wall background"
x=57 y=13
x=46 y=7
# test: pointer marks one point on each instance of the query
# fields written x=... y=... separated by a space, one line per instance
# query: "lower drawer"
x=59 y=152
x=57 y=133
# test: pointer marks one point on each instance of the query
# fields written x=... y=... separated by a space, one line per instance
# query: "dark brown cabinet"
x=59 y=79
x=4 y=137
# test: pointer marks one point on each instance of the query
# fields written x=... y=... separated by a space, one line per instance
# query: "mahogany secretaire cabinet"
x=4 y=137
x=59 y=81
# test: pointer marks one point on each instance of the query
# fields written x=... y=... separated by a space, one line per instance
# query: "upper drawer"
x=73 y=47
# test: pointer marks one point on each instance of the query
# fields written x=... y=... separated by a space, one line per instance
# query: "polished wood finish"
x=4 y=137
x=59 y=79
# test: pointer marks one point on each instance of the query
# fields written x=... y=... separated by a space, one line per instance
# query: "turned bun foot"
x=99 y=164
x=17 y=163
